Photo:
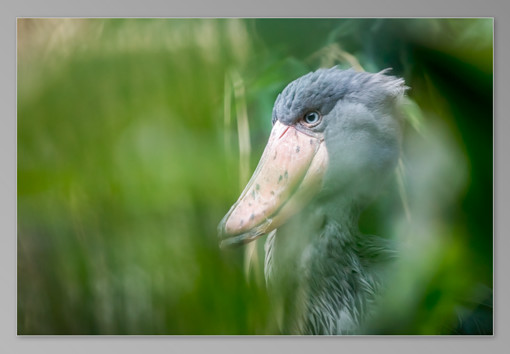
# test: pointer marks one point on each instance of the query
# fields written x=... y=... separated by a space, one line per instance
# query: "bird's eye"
x=312 y=118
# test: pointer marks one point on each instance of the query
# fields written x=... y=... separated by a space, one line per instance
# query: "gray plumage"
x=322 y=89
x=335 y=139
x=319 y=267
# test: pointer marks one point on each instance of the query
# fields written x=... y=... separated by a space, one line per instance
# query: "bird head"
x=335 y=135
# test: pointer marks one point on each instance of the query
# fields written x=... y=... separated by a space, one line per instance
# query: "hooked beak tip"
x=231 y=239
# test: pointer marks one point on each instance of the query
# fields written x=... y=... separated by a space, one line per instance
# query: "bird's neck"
x=325 y=223
x=328 y=269
x=344 y=213
x=338 y=283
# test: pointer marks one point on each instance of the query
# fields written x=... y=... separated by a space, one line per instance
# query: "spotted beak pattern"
x=289 y=174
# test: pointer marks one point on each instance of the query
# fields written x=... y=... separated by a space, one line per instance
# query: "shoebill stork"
x=335 y=140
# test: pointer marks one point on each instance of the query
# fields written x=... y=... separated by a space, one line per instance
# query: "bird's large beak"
x=288 y=175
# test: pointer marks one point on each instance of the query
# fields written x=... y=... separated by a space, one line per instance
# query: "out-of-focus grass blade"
x=251 y=256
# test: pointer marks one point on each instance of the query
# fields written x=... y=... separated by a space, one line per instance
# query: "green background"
x=135 y=136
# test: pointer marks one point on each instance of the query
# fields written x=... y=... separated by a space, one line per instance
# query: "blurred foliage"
x=128 y=157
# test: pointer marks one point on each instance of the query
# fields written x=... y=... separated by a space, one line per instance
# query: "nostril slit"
x=285 y=131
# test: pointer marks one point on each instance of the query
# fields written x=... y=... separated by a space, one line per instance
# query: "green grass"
x=126 y=166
